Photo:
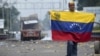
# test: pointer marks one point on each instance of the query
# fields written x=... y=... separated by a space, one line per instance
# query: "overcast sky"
x=40 y=7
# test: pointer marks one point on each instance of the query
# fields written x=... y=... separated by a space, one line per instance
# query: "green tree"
x=14 y=18
x=9 y=14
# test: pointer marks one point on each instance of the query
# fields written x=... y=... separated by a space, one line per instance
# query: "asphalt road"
x=42 y=48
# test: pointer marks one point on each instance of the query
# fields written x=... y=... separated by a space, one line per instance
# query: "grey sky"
x=40 y=7
x=28 y=7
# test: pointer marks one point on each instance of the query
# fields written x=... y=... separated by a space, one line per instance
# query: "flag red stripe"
x=73 y=36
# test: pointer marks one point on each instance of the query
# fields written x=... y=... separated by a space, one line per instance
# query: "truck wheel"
x=39 y=36
x=97 y=47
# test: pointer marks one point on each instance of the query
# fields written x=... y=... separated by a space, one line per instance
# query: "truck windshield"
x=30 y=21
x=30 y=26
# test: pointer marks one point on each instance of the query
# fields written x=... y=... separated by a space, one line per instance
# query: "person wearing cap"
x=71 y=45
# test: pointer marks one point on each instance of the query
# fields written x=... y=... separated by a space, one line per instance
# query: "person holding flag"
x=72 y=26
x=72 y=45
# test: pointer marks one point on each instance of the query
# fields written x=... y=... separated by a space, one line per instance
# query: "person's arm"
x=55 y=13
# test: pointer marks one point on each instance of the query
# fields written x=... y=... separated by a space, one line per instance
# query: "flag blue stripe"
x=71 y=26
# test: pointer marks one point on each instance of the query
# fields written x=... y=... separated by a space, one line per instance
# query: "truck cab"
x=30 y=28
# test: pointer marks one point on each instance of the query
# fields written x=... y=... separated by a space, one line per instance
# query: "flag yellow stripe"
x=82 y=17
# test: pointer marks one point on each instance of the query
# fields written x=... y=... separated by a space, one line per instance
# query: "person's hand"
x=57 y=15
x=95 y=14
x=48 y=12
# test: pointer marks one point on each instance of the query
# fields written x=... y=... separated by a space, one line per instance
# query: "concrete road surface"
x=42 y=48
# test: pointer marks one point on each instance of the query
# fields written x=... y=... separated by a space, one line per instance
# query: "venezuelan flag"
x=74 y=26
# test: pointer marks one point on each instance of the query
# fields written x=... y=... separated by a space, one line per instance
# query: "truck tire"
x=97 y=47
x=40 y=36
